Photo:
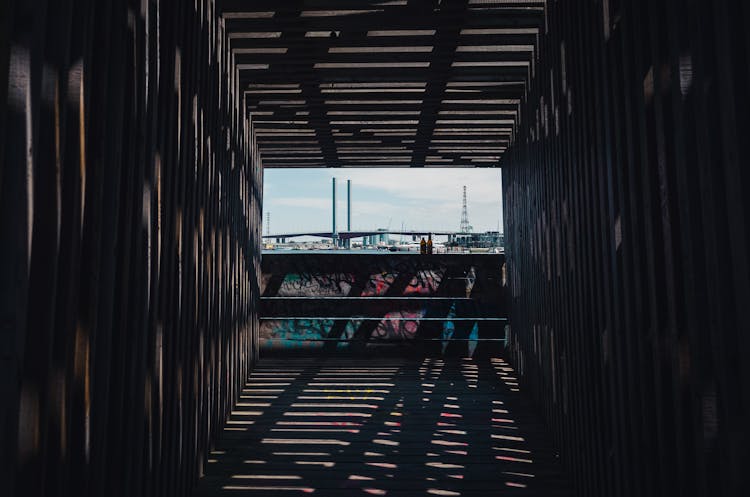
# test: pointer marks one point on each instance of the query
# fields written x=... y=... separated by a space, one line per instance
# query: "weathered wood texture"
x=346 y=427
x=628 y=244
x=129 y=214
x=368 y=83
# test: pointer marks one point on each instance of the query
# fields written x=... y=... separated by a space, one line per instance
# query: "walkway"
x=346 y=427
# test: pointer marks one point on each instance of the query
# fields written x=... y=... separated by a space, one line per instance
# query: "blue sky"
x=300 y=199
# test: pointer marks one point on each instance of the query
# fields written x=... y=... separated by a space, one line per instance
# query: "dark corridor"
x=133 y=139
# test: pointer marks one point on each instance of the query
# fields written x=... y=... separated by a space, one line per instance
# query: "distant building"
x=377 y=239
x=487 y=239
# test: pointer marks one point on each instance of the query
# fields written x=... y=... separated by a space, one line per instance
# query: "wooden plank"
x=647 y=243
x=459 y=43
x=417 y=427
x=122 y=227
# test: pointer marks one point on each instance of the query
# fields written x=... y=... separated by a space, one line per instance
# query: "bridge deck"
x=345 y=427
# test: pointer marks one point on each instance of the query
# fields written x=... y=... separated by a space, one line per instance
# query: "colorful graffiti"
x=338 y=301
x=319 y=285
x=317 y=333
x=423 y=282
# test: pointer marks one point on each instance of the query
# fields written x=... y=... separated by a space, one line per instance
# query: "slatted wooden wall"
x=628 y=230
x=129 y=214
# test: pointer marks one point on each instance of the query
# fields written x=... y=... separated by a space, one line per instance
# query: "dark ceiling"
x=399 y=83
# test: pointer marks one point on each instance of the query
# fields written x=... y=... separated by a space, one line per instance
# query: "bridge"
x=347 y=235
x=148 y=346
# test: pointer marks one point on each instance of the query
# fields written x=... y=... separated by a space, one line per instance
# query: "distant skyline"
x=300 y=199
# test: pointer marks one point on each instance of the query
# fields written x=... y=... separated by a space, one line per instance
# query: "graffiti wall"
x=339 y=302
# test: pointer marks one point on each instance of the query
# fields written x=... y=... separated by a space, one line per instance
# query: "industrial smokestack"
x=348 y=210
x=334 y=235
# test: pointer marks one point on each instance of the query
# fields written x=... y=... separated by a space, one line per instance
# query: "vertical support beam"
x=334 y=233
x=348 y=211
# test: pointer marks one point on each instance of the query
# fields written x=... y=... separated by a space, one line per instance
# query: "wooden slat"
x=130 y=246
x=421 y=427
x=626 y=328
x=291 y=46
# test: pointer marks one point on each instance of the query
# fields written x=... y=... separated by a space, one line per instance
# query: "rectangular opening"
x=386 y=207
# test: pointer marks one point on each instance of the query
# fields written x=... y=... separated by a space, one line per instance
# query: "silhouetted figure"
x=423 y=247
x=429 y=245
